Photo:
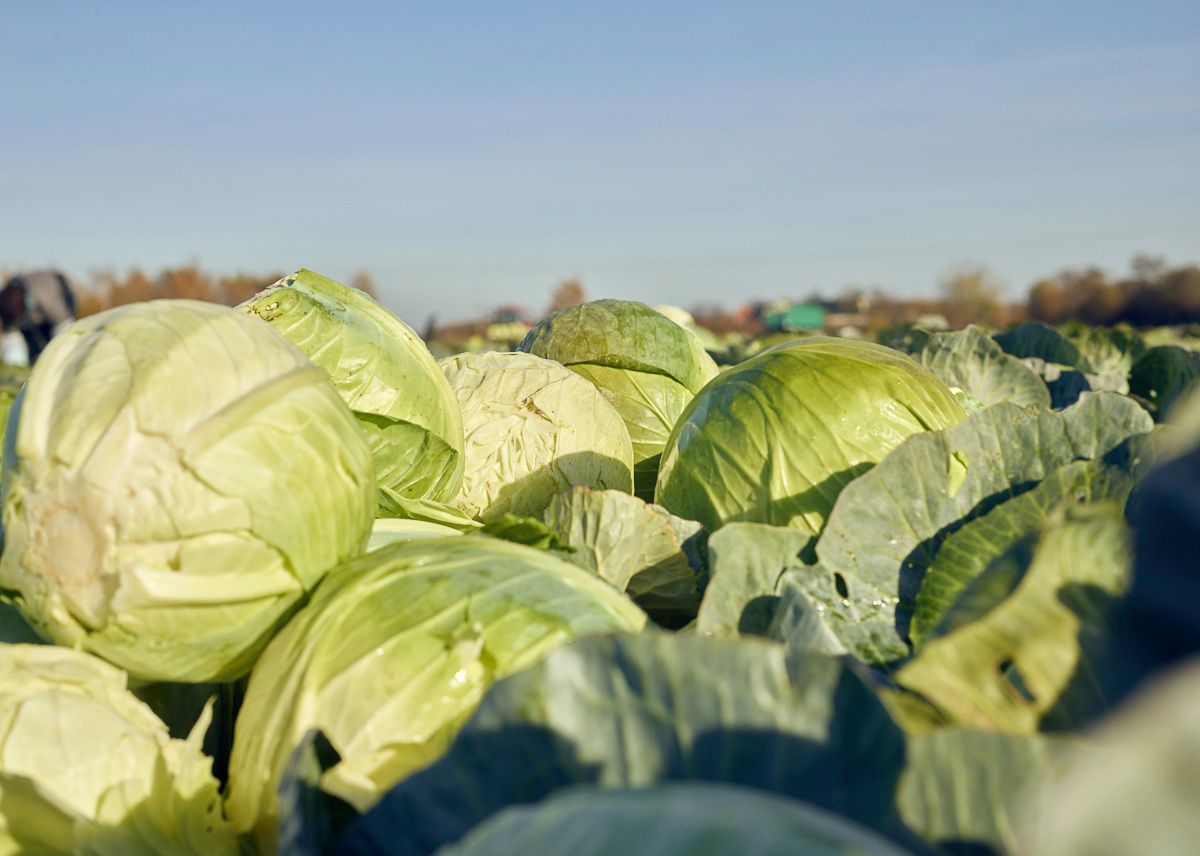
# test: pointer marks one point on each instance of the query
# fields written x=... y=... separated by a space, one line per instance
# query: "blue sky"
x=473 y=153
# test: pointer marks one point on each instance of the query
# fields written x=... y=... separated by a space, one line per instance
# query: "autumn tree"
x=88 y=302
x=240 y=287
x=1084 y=294
x=184 y=283
x=1163 y=296
x=1048 y=301
x=134 y=288
x=569 y=292
x=971 y=294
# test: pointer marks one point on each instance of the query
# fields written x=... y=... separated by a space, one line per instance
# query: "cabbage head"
x=395 y=651
x=533 y=428
x=383 y=370
x=85 y=767
x=177 y=477
x=776 y=438
x=647 y=365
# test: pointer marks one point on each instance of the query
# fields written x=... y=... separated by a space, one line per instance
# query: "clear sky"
x=472 y=153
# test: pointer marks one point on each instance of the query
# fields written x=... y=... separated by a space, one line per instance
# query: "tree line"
x=1152 y=293
x=106 y=289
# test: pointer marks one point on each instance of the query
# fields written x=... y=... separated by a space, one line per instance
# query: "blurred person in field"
x=34 y=307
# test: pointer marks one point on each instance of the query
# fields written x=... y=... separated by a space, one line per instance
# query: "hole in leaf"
x=839 y=582
x=1012 y=675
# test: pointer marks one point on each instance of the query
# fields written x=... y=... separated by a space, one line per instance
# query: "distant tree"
x=1168 y=296
x=1084 y=294
x=363 y=282
x=240 y=287
x=1048 y=302
x=1095 y=298
x=96 y=294
x=971 y=294
x=185 y=283
x=1183 y=284
x=88 y=302
x=569 y=292
x=135 y=288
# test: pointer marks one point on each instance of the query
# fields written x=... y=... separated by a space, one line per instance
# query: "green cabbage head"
x=646 y=364
x=178 y=477
x=776 y=438
x=394 y=652
x=532 y=429
x=384 y=372
x=85 y=767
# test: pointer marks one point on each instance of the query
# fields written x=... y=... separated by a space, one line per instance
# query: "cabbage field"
x=275 y=579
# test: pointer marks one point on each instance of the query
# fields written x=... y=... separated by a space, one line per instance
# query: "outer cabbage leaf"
x=967 y=552
x=12 y=378
x=389 y=530
x=972 y=361
x=775 y=439
x=684 y=819
x=393 y=653
x=889 y=524
x=179 y=478
x=1016 y=651
x=383 y=370
x=1155 y=624
x=751 y=593
x=528 y=531
x=632 y=711
x=1066 y=385
x=967 y=788
x=532 y=429
x=1134 y=790
x=800 y=624
x=641 y=549
x=395 y=506
x=747 y=562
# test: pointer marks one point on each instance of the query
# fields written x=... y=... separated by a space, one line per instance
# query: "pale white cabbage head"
x=85 y=767
x=533 y=428
x=177 y=477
